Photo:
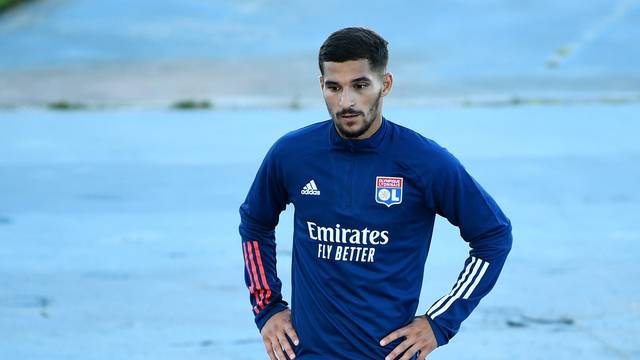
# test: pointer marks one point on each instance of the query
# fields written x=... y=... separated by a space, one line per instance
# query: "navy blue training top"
x=364 y=216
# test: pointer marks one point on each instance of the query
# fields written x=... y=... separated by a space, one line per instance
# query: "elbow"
x=503 y=236
x=495 y=243
x=251 y=227
x=508 y=240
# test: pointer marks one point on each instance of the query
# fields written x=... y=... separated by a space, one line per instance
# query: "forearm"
x=260 y=273
x=481 y=271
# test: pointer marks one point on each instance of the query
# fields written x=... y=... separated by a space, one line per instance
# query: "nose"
x=347 y=98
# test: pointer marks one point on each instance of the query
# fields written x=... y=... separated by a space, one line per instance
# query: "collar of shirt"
x=354 y=145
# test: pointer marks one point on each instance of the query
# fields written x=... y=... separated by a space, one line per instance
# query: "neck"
x=377 y=122
x=372 y=129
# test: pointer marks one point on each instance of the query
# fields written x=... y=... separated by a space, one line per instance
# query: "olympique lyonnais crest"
x=389 y=190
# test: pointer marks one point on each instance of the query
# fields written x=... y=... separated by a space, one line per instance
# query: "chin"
x=354 y=133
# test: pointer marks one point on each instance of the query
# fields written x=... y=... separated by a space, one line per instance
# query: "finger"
x=426 y=350
x=393 y=336
x=278 y=349
x=267 y=345
x=409 y=353
x=422 y=354
x=291 y=332
x=398 y=350
x=284 y=343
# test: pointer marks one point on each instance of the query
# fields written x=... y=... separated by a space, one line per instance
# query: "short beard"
x=373 y=110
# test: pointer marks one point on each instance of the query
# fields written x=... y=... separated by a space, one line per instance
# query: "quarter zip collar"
x=354 y=145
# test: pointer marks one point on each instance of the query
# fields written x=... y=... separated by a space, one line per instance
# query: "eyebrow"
x=360 y=79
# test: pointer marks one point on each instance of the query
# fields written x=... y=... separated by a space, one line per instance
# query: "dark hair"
x=355 y=43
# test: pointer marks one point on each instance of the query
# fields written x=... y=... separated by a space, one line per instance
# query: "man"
x=366 y=192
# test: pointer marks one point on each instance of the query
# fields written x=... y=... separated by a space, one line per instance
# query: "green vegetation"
x=615 y=100
x=7 y=4
x=192 y=104
x=548 y=101
x=552 y=63
x=295 y=103
x=65 y=105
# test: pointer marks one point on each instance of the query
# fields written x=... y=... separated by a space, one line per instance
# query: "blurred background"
x=130 y=132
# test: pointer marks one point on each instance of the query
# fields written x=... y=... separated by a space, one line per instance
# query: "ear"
x=387 y=83
x=321 y=78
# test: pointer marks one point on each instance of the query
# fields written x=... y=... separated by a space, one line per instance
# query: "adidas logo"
x=310 y=189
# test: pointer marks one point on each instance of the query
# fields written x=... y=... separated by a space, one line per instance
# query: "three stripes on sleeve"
x=259 y=287
x=465 y=286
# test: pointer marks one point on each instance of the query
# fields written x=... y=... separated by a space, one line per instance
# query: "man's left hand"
x=419 y=337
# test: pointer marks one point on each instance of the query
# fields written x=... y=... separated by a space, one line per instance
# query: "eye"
x=361 y=85
x=332 y=88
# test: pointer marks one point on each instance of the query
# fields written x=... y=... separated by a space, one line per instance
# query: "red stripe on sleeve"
x=251 y=279
x=259 y=287
x=263 y=277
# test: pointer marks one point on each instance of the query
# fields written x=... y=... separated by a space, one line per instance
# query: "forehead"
x=347 y=70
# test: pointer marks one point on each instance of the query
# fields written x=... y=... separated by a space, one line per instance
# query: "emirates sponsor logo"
x=343 y=244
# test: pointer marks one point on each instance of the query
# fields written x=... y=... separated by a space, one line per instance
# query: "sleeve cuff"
x=440 y=338
x=262 y=318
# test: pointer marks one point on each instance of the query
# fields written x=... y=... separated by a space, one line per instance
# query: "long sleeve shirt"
x=364 y=217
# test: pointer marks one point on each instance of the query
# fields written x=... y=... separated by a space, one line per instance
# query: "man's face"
x=353 y=94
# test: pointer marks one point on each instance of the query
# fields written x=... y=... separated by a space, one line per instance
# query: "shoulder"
x=302 y=141
x=417 y=149
x=311 y=132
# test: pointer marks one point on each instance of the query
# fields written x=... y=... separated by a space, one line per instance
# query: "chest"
x=355 y=187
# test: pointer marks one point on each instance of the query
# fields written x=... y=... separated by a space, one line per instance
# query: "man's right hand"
x=274 y=335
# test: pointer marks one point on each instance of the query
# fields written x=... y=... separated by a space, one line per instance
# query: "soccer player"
x=366 y=192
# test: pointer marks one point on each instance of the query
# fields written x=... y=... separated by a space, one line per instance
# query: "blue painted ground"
x=118 y=231
x=457 y=38
x=155 y=52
